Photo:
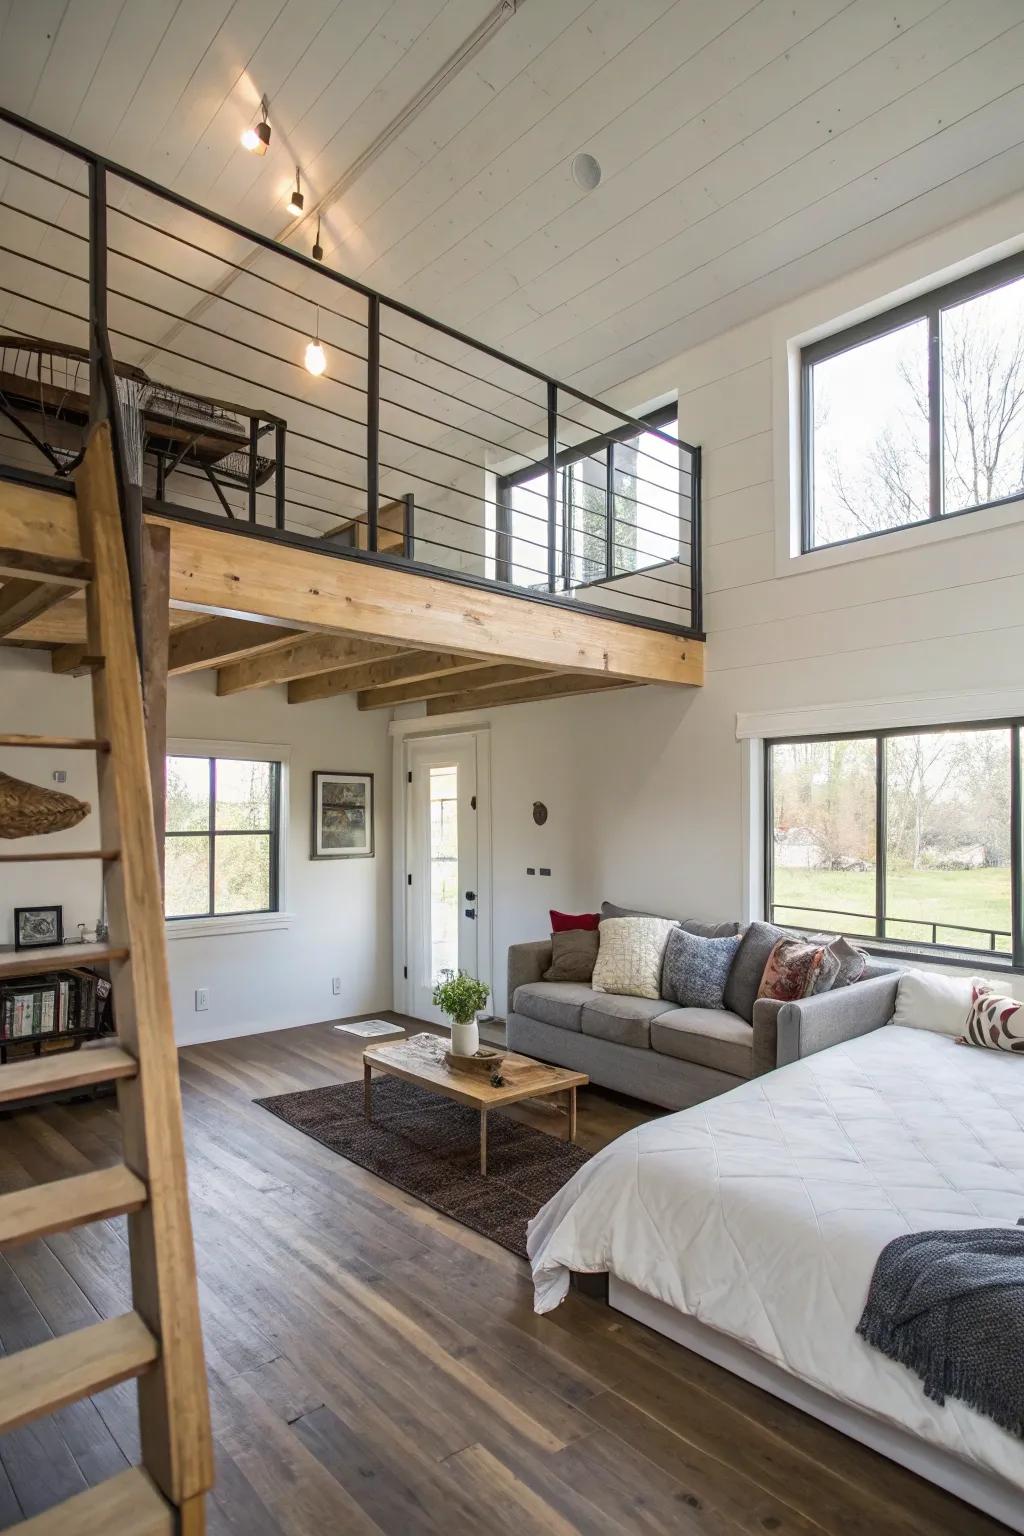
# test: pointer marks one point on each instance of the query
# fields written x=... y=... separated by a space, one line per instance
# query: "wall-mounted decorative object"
x=540 y=812
x=342 y=816
x=35 y=927
x=27 y=810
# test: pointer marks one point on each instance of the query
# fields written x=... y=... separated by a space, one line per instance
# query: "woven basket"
x=26 y=810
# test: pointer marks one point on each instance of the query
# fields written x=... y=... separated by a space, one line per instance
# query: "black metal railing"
x=400 y=439
x=936 y=927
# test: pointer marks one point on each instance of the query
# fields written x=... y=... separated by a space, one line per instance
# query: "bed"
x=747 y=1228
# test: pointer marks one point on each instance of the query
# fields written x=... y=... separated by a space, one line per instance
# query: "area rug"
x=430 y=1147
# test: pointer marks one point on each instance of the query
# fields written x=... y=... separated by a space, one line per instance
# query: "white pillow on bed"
x=926 y=1000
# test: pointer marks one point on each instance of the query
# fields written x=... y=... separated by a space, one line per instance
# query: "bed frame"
x=984 y=1490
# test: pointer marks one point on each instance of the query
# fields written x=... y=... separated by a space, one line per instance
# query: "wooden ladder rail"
x=173 y=1401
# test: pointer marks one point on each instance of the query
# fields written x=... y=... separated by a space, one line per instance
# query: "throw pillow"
x=695 y=968
x=748 y=968
x=926 y=1000
x=565 y=922
x=798 y=968
x=630 y=955
x=573 y=954
x=609 y=909
x=853 y=962
x=709 y=930
x=994 y=1022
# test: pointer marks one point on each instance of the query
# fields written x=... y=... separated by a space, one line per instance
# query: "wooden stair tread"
x=64 y=1069
x=38 y=1381
x=125 y=1505
x=59 y=857
x=65 y=743
x=46 y=1208
x=58 y=957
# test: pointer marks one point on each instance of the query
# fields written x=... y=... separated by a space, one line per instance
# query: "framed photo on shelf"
x=38 y=927
x=342 y=816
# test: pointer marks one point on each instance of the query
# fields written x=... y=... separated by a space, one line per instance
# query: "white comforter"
x=762 y=1212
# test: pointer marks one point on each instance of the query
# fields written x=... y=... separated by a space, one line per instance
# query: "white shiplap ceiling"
x=750 y=148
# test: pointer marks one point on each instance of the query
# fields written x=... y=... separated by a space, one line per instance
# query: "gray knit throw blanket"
x=950 y=1305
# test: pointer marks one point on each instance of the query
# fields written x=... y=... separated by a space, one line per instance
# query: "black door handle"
x=471 y=895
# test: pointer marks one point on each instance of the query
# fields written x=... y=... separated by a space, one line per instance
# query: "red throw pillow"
x=565 y=922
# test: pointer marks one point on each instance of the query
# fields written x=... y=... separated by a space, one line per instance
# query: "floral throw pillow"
x=798 y=968
x=994 y=1022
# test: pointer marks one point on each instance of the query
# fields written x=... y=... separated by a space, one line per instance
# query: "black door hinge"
x=410 y=775
x=409 y=879
x=472 y=803
x=405 y=972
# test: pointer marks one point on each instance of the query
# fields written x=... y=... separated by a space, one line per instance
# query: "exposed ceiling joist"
x=458 y=682
x=416 y=667
x=305 y=657
x=74 y=661
x=23 y=600
x=215 y=641
x=524 y=693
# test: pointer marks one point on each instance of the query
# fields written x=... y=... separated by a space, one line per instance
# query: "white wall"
x=340 y=909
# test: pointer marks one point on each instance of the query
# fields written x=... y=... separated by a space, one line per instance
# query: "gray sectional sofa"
x=674 y=1056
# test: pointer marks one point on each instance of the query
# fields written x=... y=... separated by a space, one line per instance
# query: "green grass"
x=971 y=897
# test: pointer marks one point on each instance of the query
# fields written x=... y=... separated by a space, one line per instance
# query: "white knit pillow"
x=630 y=956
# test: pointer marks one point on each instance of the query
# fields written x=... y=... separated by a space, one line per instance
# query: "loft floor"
x=377 y=1369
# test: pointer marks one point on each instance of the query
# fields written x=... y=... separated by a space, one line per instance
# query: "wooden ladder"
x=159 y=1342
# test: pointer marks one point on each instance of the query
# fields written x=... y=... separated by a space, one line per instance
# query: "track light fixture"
x=256 y=138
x=316 y=357
x=318 y=250
x=296 y=202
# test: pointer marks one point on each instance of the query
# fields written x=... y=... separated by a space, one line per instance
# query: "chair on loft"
x=44 y=394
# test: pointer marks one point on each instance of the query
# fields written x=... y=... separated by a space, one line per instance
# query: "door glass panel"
x=444 y=871
x=823 y=835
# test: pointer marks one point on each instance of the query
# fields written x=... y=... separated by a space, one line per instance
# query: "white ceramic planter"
x=465 y=1039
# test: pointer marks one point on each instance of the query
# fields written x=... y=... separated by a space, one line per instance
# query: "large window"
x=223 y=831
x=617 y=510
x=917 y=414
x=912 y=838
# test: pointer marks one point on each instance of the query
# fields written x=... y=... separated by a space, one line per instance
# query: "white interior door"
x=442 y=874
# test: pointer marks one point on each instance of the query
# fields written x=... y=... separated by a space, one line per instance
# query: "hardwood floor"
x=376 y=1368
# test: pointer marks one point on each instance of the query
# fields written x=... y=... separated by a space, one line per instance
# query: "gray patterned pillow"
x=694 y=970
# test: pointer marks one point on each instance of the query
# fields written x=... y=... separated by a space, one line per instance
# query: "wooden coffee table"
x=414 y=1062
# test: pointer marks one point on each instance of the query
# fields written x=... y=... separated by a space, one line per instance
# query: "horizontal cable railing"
x=937 y=926
x=257 y=387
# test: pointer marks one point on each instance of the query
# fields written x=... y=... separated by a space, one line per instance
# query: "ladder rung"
x=125 y=1505
x=108 y=856
x=37 y=1381
x=65 y=743
x=64 y=1069
x=46 y=1208
x=58 y=957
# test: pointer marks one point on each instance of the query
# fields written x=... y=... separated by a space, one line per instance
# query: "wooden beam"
x=311 y=655
x=74 y=660
x=22 y=600
x=39 y=535
x=417 y=666
x=435 y=687
x=216 y=641
x=525 y=693
x=156 y=629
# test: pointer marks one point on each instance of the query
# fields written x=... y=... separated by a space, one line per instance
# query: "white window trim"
x=913 y=271
x=240 y=922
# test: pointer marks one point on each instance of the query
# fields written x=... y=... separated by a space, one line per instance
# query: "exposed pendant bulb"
x=316 y=357
x=296 y=202
x=318 y=250
x=256 y=139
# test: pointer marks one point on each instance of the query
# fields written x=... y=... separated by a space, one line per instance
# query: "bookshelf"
x=54 y=1007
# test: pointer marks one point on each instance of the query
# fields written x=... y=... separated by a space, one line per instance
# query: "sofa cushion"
x=630 y=956
x=694 y=971
x=573 y=953
x=624 y=1020
x=748 y=968
x=709 y=1037
x=553 y=1002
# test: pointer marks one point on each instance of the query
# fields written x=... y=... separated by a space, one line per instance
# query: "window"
x=918 y=414
x=223 y=836
x=908 y=837
x=617 y=510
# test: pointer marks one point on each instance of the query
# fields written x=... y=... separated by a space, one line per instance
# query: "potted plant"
x=461 y=997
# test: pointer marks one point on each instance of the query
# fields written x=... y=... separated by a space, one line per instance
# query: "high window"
x=223 y=836
x=617 y=510
x=917 y=414
x=912 y=838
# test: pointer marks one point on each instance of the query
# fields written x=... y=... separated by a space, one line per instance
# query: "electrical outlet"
x=202 y=999
x=336 y=985
x=60 y=776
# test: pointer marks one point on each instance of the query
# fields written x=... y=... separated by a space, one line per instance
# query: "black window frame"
x=928 y=306
x=212 y=834
x=881 y=943
x=605 y=442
